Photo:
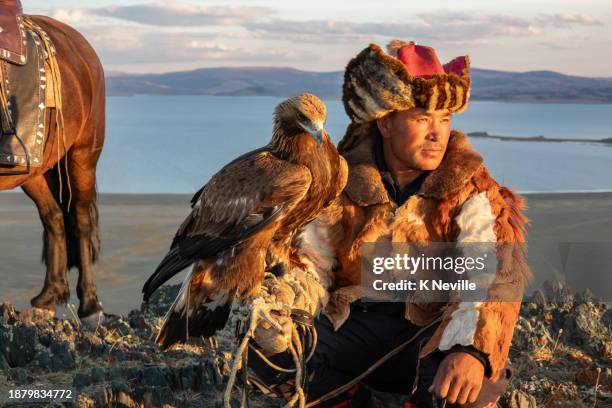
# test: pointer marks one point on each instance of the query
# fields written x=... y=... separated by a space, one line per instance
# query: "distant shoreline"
x=486 y=135
x=338 y=98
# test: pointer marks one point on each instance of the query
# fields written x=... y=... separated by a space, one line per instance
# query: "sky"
x=571 y=37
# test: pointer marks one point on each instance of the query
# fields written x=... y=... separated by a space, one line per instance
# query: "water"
x=173 y=144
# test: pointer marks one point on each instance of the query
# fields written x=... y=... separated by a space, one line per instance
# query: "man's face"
x=417 y=138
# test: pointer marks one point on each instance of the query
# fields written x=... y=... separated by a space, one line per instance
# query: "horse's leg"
x=82 y=160
x=56 y=289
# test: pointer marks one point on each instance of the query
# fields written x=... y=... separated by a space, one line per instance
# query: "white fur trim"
x=316 y=251
x=462 y=326
x=476 y=220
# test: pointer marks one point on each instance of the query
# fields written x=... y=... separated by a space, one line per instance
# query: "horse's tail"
x=55 y=178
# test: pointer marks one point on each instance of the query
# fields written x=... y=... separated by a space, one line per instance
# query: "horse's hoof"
x=49 y=299
x=93 y=321
x=37 y=313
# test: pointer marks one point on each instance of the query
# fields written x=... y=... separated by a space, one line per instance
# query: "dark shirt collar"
x=395 y=193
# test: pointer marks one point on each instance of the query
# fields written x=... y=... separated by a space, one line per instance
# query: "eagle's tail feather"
x=183 y=320
x=204 y=323
x=168 y=267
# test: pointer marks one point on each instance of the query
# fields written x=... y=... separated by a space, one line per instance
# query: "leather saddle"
x=27 y=89
x=12 y=33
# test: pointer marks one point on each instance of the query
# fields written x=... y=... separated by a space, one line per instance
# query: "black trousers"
x=371 y=331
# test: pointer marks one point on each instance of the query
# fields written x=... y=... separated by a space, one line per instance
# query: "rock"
x=553 y=293
x=4 y=365
x=606 y=350
x=19 y=375
x=116 y=323
x=93 y=322
x=161 y=300
x=81 y=380
x=119 y=364
x=90 y=344
x=7 y=313
x=157 y=397
x=21 y=345
x=42 y=360
x=518 y=399
x=155 y=376
x=61 y=358
x=583 y=324
x=98 y=375
x=188 y=376
x=137 y=320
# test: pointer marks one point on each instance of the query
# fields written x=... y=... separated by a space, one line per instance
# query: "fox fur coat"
x=457 y=202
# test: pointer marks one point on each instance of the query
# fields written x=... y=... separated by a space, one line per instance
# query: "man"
x=412 y=179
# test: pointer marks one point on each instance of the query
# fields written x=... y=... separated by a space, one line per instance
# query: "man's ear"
x=383 y=126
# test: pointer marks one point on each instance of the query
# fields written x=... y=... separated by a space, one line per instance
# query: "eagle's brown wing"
x=242 y=198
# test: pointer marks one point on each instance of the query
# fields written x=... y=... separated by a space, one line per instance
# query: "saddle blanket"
x=12 y=32
x=28 y=90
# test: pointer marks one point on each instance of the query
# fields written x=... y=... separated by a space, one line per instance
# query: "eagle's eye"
x=302 y=117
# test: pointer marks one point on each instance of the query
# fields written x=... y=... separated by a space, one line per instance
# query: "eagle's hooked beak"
x=317 y=130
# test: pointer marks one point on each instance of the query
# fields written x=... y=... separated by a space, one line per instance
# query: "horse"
x=64 y=187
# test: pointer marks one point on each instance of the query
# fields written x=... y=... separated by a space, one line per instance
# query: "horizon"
x=140 y=36
x=263 y=67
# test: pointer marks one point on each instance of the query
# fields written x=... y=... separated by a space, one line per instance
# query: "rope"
x=298 y=396
x=270 y=363
x=260 y=310
x=7 y=120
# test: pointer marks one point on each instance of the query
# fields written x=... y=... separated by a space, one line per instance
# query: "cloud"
x=177 y=35
x=439 y=26
x=258 y=22
x=70 y=16
x=125 y=45
x=567 y=20
x=182 y=14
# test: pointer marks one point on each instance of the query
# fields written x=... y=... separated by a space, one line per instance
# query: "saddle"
x=27 y=89
x=12 y=33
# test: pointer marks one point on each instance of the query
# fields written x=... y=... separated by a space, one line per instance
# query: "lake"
x=173 y=144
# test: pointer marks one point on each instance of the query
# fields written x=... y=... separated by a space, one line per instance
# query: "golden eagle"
x=244 y=220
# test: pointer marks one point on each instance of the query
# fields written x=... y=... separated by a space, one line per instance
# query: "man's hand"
x=459 y=378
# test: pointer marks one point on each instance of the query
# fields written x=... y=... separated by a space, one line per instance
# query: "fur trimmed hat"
x=408 y=76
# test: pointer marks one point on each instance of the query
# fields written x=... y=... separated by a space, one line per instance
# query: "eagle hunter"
x=244 y=220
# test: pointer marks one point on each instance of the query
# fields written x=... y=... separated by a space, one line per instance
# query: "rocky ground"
x=562 y=351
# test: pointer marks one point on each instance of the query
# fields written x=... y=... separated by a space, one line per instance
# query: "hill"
x=532 y=86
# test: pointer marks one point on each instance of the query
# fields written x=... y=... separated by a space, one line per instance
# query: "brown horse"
x=70 y=230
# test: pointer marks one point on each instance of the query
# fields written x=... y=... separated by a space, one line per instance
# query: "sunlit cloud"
x=182 y=14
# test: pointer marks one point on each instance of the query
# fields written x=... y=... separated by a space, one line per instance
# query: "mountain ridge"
x=542 y=86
